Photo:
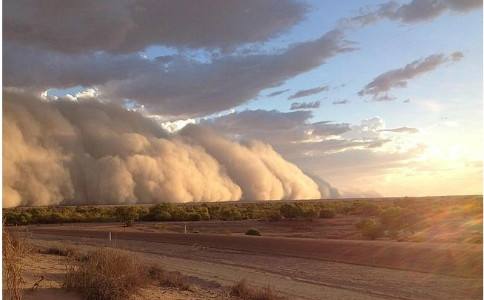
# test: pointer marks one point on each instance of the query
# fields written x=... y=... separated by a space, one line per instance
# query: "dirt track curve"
x=464 y=260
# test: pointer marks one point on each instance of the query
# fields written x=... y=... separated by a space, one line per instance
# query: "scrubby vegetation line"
x=391 y=218
x=272 y=211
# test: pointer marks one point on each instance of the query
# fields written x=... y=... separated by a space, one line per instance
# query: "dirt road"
x=441 y=258
x=295 y=276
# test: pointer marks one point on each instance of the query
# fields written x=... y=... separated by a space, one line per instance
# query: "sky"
x=373 y=97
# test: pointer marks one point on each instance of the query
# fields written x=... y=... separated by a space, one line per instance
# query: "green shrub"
x=370 y=228
x=230 y=214
x=290 y=211
x=364 y=208
x=194 y=217
x=252 y=231
x=127 y=214
x=310 y=212
x=179 y=214
x=162 y=216
x=204 y=213
x=274 y=216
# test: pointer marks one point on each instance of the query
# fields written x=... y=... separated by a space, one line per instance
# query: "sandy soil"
x=48 y=272
x=461 y=259
x=296 y=278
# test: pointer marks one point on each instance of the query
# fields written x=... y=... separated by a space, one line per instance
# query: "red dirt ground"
x=461 y=259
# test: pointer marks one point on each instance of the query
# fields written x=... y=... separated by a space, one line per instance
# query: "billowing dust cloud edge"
x=88 y=152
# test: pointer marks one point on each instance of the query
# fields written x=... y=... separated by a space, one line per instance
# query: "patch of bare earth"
x=295 y=278
x=45 y=273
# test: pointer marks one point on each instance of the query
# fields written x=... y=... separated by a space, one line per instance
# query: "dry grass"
x=105 y=274
x=13 y=252
x=246 y=292
x=61 y=251
x=169 y=279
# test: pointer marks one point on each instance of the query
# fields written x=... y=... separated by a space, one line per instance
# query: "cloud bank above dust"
x=68 y=152
x=125 y=26
x=183 y=88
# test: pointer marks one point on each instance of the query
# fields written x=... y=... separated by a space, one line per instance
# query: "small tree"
x=127 y=215
x=230 y=214
x=204 y=213
x=274 y=216
x=194 y=216
x=290 y=211
x=310 y=212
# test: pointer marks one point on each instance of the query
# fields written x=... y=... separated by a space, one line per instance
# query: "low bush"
x=253 y=231
x=368 y=209
x=370 y=228
x=274 y=216
x=61 y=251
x=397 y=214
x=230 y=214
x=310 y=212
x=105 y=274
x=194 y=217
x=127 y=215
x=169 y=279
x=246 y=292
x=290 y=211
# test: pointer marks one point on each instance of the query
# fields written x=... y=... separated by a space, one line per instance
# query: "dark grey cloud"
x=398 y=78
x=343 y=101
x=180 y=88
x=308 y=92
x=402 y=130
x=190 y=88
x=40 y=69
x=123 y=26
x=305 y=105
x=277 y=93
x=275 y=127
x=326 y=128
x=295 y=137
x=413 y=11
x=259 y=120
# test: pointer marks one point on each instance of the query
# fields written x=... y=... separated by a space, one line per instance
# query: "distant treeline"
x=383 y=211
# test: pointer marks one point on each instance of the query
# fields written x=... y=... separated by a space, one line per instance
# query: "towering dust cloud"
x=87 y=152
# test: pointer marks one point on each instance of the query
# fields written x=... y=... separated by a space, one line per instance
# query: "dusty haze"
x=69 y=152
